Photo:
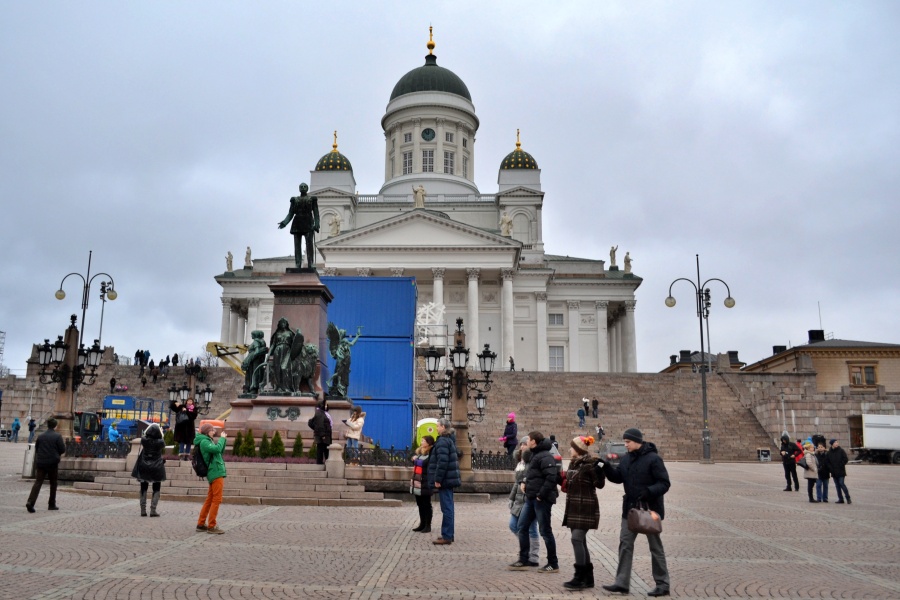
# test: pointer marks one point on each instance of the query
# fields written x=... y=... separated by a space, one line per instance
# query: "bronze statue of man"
x=305 y=213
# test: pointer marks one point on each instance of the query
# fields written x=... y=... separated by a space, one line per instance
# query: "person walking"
x=837 y=461
x=419 y=487
x=112 y=385
x=354 y=431
x=581 y=415
x=595 y=409
x=810 y=467
x=581 y=483
x=321 y=425
x=540 y=489
x=510 y=437
x=213 y=454
x=150 y=467
x=517 y=501
x=47 y=452
x=789 y=458
x=32 y=425
x=185 y=431
x=443 y=476
x=16 y=426
x=643 y=474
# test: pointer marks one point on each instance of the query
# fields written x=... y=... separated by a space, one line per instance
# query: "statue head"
x=303 y=189
x=282 y=323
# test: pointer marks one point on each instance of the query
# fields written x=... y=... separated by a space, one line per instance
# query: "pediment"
x=419 y=229
x=521 y=190
x=330 y=192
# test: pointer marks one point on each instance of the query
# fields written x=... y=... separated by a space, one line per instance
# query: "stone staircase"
x=247 y=483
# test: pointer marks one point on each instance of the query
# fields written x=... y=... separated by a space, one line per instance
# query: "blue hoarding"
x=384 y=306
x=388 y=422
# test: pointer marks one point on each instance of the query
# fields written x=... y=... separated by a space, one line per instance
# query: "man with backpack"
x=211 y=456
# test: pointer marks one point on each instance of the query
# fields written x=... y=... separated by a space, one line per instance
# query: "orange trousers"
x=211 y=507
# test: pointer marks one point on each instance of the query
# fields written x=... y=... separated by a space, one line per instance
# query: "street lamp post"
x=703 y=303
x=454 y=388
x=78 y=367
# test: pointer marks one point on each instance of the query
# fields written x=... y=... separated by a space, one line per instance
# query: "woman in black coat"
x=150 y=467
x=185 y=415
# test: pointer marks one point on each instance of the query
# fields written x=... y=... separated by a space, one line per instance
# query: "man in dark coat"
x=443 y=476
x=510 y=437
x=645 y=479
x=47 y=452
x=320 y=423
x=540 y=488
x=789 y=457
x=837 y=464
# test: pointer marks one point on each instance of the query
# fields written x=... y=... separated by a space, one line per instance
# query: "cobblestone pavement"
x=730 y=532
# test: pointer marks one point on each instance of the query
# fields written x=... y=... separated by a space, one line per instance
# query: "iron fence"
x=490 y=461
x=402 y=457
x=97 y=449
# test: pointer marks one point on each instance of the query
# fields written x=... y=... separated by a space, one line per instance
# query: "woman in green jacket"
x=213 y=455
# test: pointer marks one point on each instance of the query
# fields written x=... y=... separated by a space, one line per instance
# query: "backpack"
x=200 y=466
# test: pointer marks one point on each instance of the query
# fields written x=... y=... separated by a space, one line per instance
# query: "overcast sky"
x=763 y=136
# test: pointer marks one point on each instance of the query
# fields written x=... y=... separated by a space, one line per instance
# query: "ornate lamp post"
x=72 y=365
x=454 y=387
x=703 y=304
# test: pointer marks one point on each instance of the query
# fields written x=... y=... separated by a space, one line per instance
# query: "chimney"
x=733 y=356
x=816 y=335
x=673 y=359
x=778 y=349
x=685 y=356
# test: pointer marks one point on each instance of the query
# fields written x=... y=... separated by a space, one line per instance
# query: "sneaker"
x=522 y=565
x=548 y=568
x=215 y=530
x=202 y=528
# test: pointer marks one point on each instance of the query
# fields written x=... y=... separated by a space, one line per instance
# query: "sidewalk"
x=730 y=532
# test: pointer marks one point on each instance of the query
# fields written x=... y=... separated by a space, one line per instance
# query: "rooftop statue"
x=339 y=344
x=229 y=262
x=247 y=261
x=334 y=225
x=628 y=262
x=612 y=255
x=305 y=214
x=419 y=195
x=506 y=224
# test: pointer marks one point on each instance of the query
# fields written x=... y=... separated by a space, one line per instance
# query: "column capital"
x=573 y=304
x=540 y=296
x=438 y=272
x=472 y=273
x=630 y=304
x=329 y=271
x=253 y=302
x=364 y=271
x=440 y=122
x=226 y=302
x=507 y=274
x=417 y=121
x=396 y=271
x=602 y=305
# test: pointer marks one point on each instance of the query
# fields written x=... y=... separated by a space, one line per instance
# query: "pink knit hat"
x=511 y=416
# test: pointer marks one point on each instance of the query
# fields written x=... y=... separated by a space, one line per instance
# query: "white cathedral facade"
x=479 y=255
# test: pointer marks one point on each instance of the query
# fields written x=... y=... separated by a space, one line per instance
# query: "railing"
x=432 y=199
x=97 y=449
x=402 y=457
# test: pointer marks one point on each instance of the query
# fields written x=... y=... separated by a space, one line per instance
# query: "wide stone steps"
x=248 y=483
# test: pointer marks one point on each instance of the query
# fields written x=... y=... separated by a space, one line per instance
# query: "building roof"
x=431 y=78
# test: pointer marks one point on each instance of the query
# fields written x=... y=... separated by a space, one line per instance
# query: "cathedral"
x=480 y=256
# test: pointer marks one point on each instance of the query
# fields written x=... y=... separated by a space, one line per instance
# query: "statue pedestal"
x=287 y=415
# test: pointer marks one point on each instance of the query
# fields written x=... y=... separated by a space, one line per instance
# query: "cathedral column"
x=574 y=323
x=241 y=336
x=614 y=345
x=225 y=334
x=438 y=293
x=439 y=151
x=252 y=314
x=506 y=310
x=629 y=343
x=543 y=350
x=602 y=337
x=417 y=150
x=471 y=325
x=233 y=326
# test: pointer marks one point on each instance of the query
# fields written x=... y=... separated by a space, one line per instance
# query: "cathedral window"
x=557 y=358
x=428 y=161
x=407 y=138
x=556 y=318
x=407 y=163
x=393 y=143
x=465 y=143
x=448 y=137
x=449 y=162
x=465 y=166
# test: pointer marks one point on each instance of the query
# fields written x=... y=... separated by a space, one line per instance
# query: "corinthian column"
x=252 y=315
x=438 y=294
x=629 y=343
x=506 y=309
x=602 y=337
x=574 y=324
x=471 y=326
x=225 y=334
x=543 y=350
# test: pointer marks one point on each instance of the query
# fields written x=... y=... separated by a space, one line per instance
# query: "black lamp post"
x=453 y=389
x=703 y=304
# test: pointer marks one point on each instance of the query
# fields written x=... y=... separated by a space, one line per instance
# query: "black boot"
x=426 y=527
x=589 y=575
x=154 y=501
x=577 y=581
x=143 y=503
x=419 y=526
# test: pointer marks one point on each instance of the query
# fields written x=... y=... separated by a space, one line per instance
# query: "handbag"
x=643 y=520
x=181 y=418
x=803 y=463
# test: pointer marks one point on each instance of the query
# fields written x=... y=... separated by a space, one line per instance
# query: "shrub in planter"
x=248 y=446
x=169 y=439
x=264 y=446
x=312 y=451
x=236 y=447
x=276 y=448
x=298 y=447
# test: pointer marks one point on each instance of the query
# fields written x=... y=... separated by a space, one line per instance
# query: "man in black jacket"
x=48 y=450
x=837 y=464
x=539 y=487
x=789 y=457
x=645 y=479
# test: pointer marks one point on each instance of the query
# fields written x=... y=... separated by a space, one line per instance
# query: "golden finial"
x=334 y=145
x=430 y=44
x=518 y=143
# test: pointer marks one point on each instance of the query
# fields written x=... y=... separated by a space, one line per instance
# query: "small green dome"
x=518 y=158
x=431 y=78
x=333 y=161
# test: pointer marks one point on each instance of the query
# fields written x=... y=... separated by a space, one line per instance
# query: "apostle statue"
x=419 y=195
x=229 y=262
x=612 y=255
x=628 y=262
x=506 y=224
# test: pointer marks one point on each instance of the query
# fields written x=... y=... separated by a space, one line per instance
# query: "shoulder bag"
x=643 y=520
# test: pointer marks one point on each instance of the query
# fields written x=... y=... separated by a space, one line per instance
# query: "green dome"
x=431 y=78
x=333 y=161
x=518 y=159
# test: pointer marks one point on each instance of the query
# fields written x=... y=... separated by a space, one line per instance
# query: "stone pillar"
x=471 y=326
x=629 y=343
x=613 y=345
x=439 y=150
x=543 y=350
x=506 y=309
x=241 y=330
x=417 y=150
x=252 y=315
x=574 y=324
x=225 y=335
x=233 y=326
x=438 y=294
x=602 y=337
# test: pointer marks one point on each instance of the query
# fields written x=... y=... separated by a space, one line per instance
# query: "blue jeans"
x=842 y=490
x=352 y=449
x=445 y=495
x=30 y=436
x=184 y=448
x=540 y=512
x=822 y=490
x=514 y=526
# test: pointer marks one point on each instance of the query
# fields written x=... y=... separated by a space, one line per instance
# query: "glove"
x=644 y=495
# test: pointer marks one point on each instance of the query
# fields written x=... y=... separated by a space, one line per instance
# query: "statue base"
x=288 y=415
x=614 y=268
